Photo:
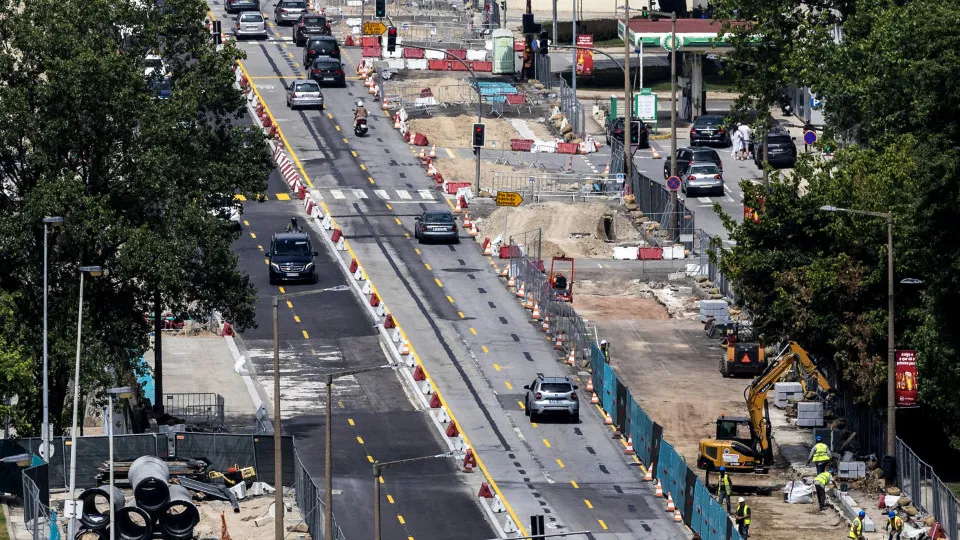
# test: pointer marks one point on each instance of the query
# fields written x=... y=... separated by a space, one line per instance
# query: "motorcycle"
x=360 y=127
x=785 y=106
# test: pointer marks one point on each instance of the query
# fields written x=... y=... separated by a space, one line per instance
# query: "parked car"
x=161 y=88
x=239 y=6
x=433 y=225
x=702 y=178
x=638 y=132
x=227 y=208
x=328 y=71
x=318 y=46
x=309 y=25
x=781 y=150
x=552 y=395
x=250 y=24
x=710 y=129
x=291 y=258
x=685 y=156
x=288 y=11
x=153 y=65
x=304 y=94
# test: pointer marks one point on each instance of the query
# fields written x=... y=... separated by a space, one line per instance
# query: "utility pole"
x=627 y=95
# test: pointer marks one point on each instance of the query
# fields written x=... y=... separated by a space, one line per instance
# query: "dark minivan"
x=291 y=258
x=710 y=129
x=237 y=6
x=686 y=156
x=318 y=46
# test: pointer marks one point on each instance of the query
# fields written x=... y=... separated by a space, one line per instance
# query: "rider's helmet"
x=359 y=103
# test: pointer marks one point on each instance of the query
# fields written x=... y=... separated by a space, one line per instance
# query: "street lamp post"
x=377 y=472
x=627 y=94
x=94 y=271
x=121 y=392
x=49 y=221
x=891 y=344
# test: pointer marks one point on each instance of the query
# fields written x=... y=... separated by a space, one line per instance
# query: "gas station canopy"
x=693 y=35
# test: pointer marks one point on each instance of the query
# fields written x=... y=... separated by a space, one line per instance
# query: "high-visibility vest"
x=821 y=452
x=744 y=511
x=724 y=485
x=856 y=528
x=823 y=478
x=896 y=524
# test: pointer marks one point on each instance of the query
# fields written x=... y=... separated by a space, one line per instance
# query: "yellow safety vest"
x=744 y=512
x=896 y=524
x=856 y=528
x=823 y=479
x=724 y=485
x=820 y=452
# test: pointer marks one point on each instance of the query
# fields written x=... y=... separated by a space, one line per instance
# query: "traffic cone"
x=529 y=303
x=422 y=154
x=520 y=292
x=594 y=400
x=506 y=270
x=405 y=350
x=648 y=477
x=559 y=343
x=433 y=151
x=571 y=359
x=659 y=492
x=396 y=121
x=385 y=105
x=606 y=170
x=373 y=89
x=473 y=229
x=489 y=251
x=590 y=384
x=546 y=324
x=466 y=215
x=676 y=516
x=656 y=155
x=457 y=209
x=671 y=507
x=512 y=282
x=607 y=420
x=536 y=311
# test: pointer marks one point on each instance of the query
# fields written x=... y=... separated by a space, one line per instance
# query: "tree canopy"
x=137 y=178
x=890 y=93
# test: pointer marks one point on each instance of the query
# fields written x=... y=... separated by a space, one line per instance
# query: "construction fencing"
x=310 y=502
x=569 y=104
x=199 y=409
x=539 y=186
x=38 y=518
x=926 y=490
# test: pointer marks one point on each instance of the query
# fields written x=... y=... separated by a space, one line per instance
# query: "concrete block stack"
x=852 y=469
x=785 y=392
x=809 y=414
x=718 y=309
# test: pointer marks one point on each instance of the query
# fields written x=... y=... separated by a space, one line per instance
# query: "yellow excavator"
x=743 y=444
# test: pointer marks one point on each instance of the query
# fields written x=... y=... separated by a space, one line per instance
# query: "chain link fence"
x=573 y=186
x=926 y=490
x=309 y=498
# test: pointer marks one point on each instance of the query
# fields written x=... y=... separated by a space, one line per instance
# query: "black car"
x=686 y=156
x=781 y=150
x=328 y=71
x=291 y=258
x=320 y=46
x=436 y=226
x=638 y=132
x=710 y=129
x=310 y=25
x=236 y=6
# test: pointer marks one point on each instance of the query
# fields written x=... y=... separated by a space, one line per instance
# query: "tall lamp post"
x=120 y=392
x=377 y=473
x=891 y=346
x=48 y=222
x=71 y=503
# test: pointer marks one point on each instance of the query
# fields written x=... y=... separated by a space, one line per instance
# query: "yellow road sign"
x=509 y=198
x=374 y=28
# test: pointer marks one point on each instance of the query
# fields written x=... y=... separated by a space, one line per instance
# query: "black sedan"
x=436 y=226
x=309 y=25
x=237 y=6
x=710 y=129
x=328 y=71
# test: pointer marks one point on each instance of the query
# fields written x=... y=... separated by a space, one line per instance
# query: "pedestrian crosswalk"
x=392 y=195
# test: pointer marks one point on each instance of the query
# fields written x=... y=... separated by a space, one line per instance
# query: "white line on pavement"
x=337 y=194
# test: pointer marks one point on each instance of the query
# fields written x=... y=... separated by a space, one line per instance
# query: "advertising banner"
x=584 y=58
x=906 y=378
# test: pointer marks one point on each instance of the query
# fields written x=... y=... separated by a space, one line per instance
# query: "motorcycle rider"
x=359 y=112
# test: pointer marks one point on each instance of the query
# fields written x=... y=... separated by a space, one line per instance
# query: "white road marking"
x=425 y=194
x=730 y=199
x=403 y=194
x=359 y=193
x=382 y=193
x=705 y=200
x=337 y=194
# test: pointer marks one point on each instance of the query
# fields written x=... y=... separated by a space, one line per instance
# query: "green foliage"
x=83 y=136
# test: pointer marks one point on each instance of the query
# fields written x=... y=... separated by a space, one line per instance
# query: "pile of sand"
x=576 y=230
x=465 y=170
x=457 y=131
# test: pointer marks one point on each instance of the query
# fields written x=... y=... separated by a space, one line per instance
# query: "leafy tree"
x=83 y=135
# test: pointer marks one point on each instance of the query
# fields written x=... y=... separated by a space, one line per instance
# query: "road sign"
x=509 y=198
x=374 y=28
x=405 y=26
x=621 y=177
x=673 y=183
x=809 y=137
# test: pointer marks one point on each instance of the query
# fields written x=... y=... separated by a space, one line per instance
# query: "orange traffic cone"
x=546 y=324
x=473 y=229
x=520 y=292
x=607 y=420
x=457 y=209
x=571 y=359
x=506 y=271
x=422 y=154
x=396 y=121
x=405 y=350
x=629 y=450
x=648 y=477
x=676 y=516
x=590 y=384
x=466 y=215
x=559 y=343
x=606 y=170
x=529 y=303
x=512 y=282
x=489 y=251
x=594 y=400
x=671 y=507
x=385 y=105
x=433 y=151
x=536 y=311
x=659 y=492
x=656 y=155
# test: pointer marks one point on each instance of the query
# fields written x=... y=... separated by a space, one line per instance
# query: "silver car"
x=703 y=177
x=288 y=11
x=552 y=395
x=304 y=94
x=250 y=24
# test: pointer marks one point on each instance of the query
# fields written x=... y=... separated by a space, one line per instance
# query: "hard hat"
x=603 y=342
x=741 y=499
x=819 y=438
x=862 y=514
x=722 y=469
x=892 y=514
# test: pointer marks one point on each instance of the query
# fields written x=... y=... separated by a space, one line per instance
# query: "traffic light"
x=381 y=10
x=478 y=135
x=543 y=42
x=644 y=13
x=391 y=39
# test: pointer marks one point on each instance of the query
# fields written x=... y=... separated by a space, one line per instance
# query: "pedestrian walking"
x=736 y=143
x=820 y=455
x=856 y=528
x=821 y=482
x=894 y=525
x=743 y=518
x=745 y=134
x=723 y=488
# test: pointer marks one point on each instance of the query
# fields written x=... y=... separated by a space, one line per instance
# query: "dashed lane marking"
x=282 y=291
x=247 y=223
x=305 y=336
x=484 y=348
x=462 y=316
x=473 y=331
x=509 y=386
x=353 y=153
x=450 y=299
x=370 y=178
x=289 y=304
x=359 y=439
x=590 y=506
x=546 y=443
x=560 y=463
x=370 y=458
x=266 y=261
x=574 y=484
x=522 y=406
x=296 y=318
x=602 y=524
x=425 y=194
x=398 y=221
x=417 y=250
x=439 y=283
x=253 y=234
x=363 y=167
x=400 y=519
x=350 y=421
x=337 y=194
x=450 y=153
x=389 y=498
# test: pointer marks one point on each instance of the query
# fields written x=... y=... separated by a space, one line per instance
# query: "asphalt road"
x=465 y=327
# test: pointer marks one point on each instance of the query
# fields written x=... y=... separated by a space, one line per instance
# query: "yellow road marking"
x=359 y=439
x=407 y=235
x=428 y=268
x=289 y=304
x=350 y=421
x=602 y=524
x=439 y=284
x=398 y=221
x=522 y=406
x=560 y=463
x=546 y=443
x=353 y=153
x=296 y=318
x=370 y=458
x=239 y=197
x=266 y=261
x=260 y=247
x=252 y=234
x=416 y=250
x=283 y=196
x=450 y=299
x=484 y=348
x=574 y=484
x=534 y=424
x=330 y=116
x=388 y=206
x=590 y=506
x=363 y=167
x=389 y=498
x=450 y=153
x=337 y=127
x=281 y=290
x=305 y=334
x=462 y=316
x=288 y=54
x=400 y=519
x=370 y=178
x=381 y=479
x=339 y=403
x=509 y=386
x=345 y=139
x=473 y=331
x=247 y=223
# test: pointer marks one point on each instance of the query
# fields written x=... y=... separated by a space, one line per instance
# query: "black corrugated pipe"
x=95 y=512
x=133 y=523
x=149 y=477
x=90 y=535
x=180 y=515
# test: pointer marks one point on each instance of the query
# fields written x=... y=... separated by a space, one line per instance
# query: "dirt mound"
x=456 y=131
x=465 y=170
x=588 y=230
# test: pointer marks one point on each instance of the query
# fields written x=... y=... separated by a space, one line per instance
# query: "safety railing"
x=539 y=186
x=708 y=245
x=309 y=498
x=569 y=104
x=200 y=409
x=435 y=32
x=926 y=490
x=38 y=519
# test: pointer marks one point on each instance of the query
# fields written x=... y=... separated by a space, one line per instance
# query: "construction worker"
x=820 y=455
x=894 y=525
x=821 y=482
x=743 y=518
x=856 y=528
x=605 y=349
x=723 y=487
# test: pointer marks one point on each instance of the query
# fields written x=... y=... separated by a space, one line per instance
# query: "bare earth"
x=456 y=131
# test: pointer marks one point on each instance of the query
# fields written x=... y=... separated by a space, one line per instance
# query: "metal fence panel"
x=926 y=490
x=92 y=452
x=201 y=409
x=310 y=502
x=609 y=397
